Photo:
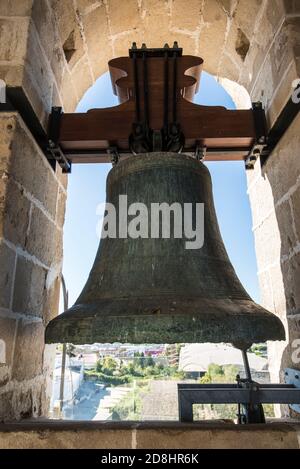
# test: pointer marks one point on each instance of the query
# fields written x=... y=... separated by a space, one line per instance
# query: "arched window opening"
x=138 y=382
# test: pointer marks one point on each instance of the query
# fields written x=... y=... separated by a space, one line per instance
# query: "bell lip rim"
x=189 y=329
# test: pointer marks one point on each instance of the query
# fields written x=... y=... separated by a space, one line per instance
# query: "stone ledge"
x=148 y=435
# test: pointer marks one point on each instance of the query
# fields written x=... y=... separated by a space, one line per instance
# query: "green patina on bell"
x=156 y=290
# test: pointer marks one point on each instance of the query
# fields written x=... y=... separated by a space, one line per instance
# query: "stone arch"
x=54 y=50
x=69 y=43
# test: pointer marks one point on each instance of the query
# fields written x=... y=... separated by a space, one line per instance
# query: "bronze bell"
x=154 y=290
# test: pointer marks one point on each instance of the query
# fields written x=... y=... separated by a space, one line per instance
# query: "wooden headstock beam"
x=155 y=88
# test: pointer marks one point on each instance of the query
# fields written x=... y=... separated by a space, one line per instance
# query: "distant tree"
x=130 y=368
x=149 y=371
x=139 y=359
x=215 y=370
x=149 y=361
x=205 y=379
x=219 y=374
x=109 y=365
x=99 y=366
x=230 y=372
x=178 y=348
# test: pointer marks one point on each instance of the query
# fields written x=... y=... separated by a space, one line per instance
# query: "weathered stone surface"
x=62 y=177
x=40 y=401
x=285 y=225
x=295 y=198
x=69 y=30
x=121 y=21
x=85 y=5
x=7 y=263
x=292 y=6
x=4 y=375
x=281 y=54
x=56 y=98
x=46 y=27
x=274 y=12
x=13 y=38
x=124 y=41
x=29 y=168
x=97 y=36
x=61 y=207
x=29 y=346
x=186 y=41
x=68 y=93
x=156 y=22
x=212 y=35
x=15 y=7
x=6 y=407
x=267 y=242
x=24 y=175
x=277 y=287
x=266 y=292
x=51 y=300
x=219 y=437
x=81 y=76
x=228 y=68
x=41 y=237
x=261 y=197
x=14 y=212
x=164 y=435
x=245 y=15
x=193 y=19
x=263 y=90
x=282 y=169
x=291 y=273
x=7 y=334
x=22 y=404
x=29 y=288
x=7 y=128
x=38 y=81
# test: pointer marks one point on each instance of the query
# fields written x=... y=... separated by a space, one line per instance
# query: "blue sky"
x=87 y=189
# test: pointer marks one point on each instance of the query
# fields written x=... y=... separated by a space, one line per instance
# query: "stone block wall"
x=30 y=265
x=274 y=192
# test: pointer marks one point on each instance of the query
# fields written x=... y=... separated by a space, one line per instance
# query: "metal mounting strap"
x=53 y=147
x=261 y=135
x=57 y=154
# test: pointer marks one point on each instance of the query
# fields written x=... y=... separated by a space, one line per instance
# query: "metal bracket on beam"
x=261 y=135
x=253 y=156
x=57 y=154
x=17 y=101
x=53 y=148
x=155 y=52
